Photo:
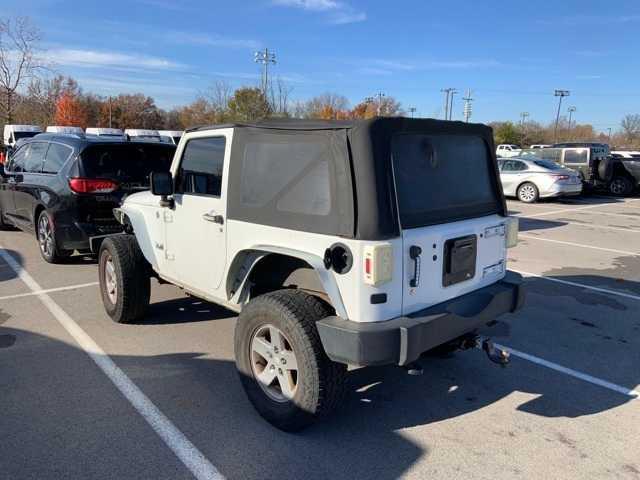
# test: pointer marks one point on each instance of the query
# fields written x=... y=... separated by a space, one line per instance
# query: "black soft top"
x=368 y=150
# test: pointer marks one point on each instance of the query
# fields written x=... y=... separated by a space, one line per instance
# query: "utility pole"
x=467 y=106
x=561 y=94
x=447 y=92
x=412 y=110
x=609 y=134
x=110 y=111
x=265 y=57
x=523 y=118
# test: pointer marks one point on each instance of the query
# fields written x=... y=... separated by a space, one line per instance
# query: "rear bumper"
x=558 y=190
x=402 y=340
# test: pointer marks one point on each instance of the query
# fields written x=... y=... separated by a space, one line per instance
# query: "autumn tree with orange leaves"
x=70 y=112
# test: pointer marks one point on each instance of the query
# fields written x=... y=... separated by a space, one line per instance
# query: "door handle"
x=212 y=217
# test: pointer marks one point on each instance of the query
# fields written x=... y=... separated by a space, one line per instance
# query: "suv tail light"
x=90 y=185
x=378 y=264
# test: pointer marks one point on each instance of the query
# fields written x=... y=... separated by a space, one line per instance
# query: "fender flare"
x=245 y=260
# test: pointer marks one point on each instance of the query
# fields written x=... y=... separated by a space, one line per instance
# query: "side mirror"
x=162 y=185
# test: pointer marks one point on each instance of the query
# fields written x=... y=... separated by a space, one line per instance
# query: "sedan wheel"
x=528 y=193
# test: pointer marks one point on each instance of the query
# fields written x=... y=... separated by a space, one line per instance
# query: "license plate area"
x=459 y=259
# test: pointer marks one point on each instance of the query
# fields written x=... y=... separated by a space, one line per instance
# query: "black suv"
x=64 y=187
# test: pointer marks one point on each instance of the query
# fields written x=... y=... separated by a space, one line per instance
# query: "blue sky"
x=512 y=54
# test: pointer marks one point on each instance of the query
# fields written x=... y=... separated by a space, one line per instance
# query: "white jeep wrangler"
x=338 y=242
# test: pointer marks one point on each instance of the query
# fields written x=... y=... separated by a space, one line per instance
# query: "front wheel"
x=528 y=193
x=125 y=280
x=621 y=186
x=283 y=368
x=47 y=241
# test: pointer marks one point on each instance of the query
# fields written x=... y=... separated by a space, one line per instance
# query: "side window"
x=507 y=166
x=520 y=166
x=35 y=157
x=56 y=156
x=201 y=166
x=17 y=160
x=576 y=155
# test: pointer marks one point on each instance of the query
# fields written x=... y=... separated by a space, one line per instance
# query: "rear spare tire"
x=283 y=368
x=125 y=280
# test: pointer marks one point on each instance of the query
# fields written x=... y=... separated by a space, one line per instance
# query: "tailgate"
x=448 y=260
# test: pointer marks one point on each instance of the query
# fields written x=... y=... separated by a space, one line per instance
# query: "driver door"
x=195 y=230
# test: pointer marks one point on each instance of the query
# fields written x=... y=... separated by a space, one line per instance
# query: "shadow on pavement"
x=183 y=310
x=531 y=224
x=202 y=396
x=6 y=272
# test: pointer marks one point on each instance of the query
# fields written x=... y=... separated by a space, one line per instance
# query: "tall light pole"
x=453 y=92
x=380 y=96
x=609 y=134
x=467 y=105
x=523 y=118
x=265 y=57
x=571 y=111
x=560 y=94
x=412 y=110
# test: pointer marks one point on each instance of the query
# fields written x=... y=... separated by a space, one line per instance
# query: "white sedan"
x=532 y=179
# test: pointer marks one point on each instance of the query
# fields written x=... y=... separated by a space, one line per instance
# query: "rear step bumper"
x=402 y=340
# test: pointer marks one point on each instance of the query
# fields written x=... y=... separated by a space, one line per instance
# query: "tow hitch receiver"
x=495 y=354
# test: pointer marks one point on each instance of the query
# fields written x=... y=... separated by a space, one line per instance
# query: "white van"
x=171 y=136
x=140 y=134
x=13 y=133
x=105 y=132
x=64 y=129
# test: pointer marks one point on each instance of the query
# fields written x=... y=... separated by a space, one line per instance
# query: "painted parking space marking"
x=581 y=245
x=49 y=290
x=579 y=285
x=179 y=444
x=573 y=373
x=586 y=207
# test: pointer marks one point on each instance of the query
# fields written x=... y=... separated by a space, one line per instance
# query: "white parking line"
x=49 y=290
x=564 y=210
x=573 y=373
x=593 y=225
x=190 y=456
x=579 y=285
x=581 y=245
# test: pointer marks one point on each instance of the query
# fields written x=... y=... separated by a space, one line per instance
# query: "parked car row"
x=13 y=134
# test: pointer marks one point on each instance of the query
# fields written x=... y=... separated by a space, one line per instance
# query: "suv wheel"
x=125 y=280
x=621 y=186
x=283 y=368
x=46 y=234
x=528 y=193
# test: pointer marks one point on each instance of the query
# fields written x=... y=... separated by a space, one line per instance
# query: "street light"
x=561 y=94
x=412 y=110
x=265 y=57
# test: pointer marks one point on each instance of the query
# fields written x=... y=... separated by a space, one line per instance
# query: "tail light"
x=378 y=264
x=561 y=178
x=90 y=185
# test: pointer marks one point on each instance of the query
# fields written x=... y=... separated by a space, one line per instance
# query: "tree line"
x=32 y=93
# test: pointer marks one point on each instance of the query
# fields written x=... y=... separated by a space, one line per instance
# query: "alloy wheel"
x=111 y=280
x=527 y=193
x=274 y=363
x=45 y=236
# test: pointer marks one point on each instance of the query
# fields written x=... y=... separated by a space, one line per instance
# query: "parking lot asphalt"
x=567 y=406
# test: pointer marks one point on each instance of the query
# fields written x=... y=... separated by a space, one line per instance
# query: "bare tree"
x=279 y=97
x=218 y=96
x=19 y=61
x=631 y=127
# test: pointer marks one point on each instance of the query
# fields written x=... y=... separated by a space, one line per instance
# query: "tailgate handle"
x=415 y=252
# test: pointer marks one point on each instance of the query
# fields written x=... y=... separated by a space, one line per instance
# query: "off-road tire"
x=132 y=278
x=620 y=186
x=530 y=188
x=321 y=382
x=54 y=254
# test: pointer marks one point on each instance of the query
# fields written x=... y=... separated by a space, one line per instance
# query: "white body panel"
x=102 y=132
x=64 y=129
x=507 y=150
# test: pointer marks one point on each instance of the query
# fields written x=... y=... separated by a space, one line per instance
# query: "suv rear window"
x=443 y=178
x=126 y=162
